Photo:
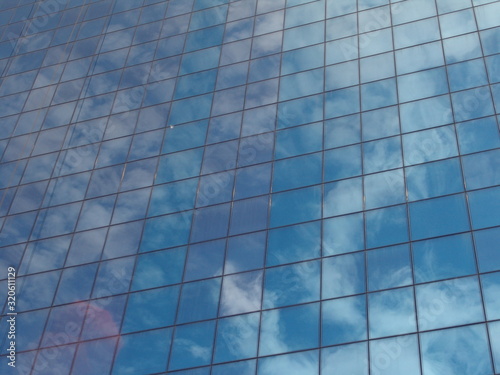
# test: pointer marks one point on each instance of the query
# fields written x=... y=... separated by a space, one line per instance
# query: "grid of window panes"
x=251 y=186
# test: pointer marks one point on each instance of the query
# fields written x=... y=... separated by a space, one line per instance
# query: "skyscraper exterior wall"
x=257 y=187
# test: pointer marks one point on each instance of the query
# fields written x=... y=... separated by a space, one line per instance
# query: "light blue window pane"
x=341 y=102
x=300 y=111
x=309 y=12
x=343 y=234
x=131 y=206
x=238 y=30
x=341 y=50
x=304 y=363
x=412 y=10
x=17 y=228
x=352 y=358
x=384 y=361
x=209 y=17
x=414 y=33
x=342 y=131
x=94 y=356
x=297 y=172
x=224 y=128
x=203 y=4
x=478 y=135
x=236 y=339
x=375 y=42
x=62 y=219
x=255 y=149
x=269 y=22
x=298 y=330
x=429 y=145
x=232 y=75
x=391 y=312
x=304 y=36
x=486 y=15
x=33 y=323
x=227 y=101
x=301 y=84
x=445 y=6
x=378 y=94
x=192 y=345
x=380 y=123
x=179 y=165
x=341 y=27
x=491 y=285
x=264 y=68
x=154 y=345
x=185 y=136
x=195 y=84
x=174 y=197
x=34 y=299
x=343 y=275
x=382 y=155
x=462 y=48
x=438 y=216
x=343 y=197
x=434 y=179
x=443 y=258
x=190 y=109
x=219 y=157
x=384 y=189
x=245 y=252
x=489 y=39
x=241 y=293
x=210 y=223
x=479 y=169
x=44 y=255
x=457 y=23
x=267 y=44
x=159 y=269
x=199 y=300
x=494 y=329
x=426 y=113
x=467 y=74
x=484 y=208
x=338 y=8
x=422 y=84
x=342 y=163
x=441 y=304
x=343 y=320
x=151 y=309
x=389 y=267
x=377 y=67
x=386 y=226
x=200 y=60
x=166 y=231
x=252 y=181
x=302 y=59
x=420 y=57
x=249 y=215
x=242 y=368
x=205 y=260
x=486 y=249
x=215 y=188
x=492 y=64
x=292 y=244
x=458 y=351
x=299 y=140
x=107 y=275
x=291 y=285
x=341 y=75
x=296 y=206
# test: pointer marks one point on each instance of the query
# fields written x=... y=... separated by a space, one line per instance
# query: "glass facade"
x=257 y=187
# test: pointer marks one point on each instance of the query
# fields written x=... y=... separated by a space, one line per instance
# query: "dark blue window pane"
x=295 y=206
x=300 y=111
x=295 y=243
x=342 y=102
x=389 y=267
x=192 y=345
x=179 y=165
x=478 y=135
x=382 y=155
x=305 y=362
x=251 y=181
x=243 y=368
x=490 y=284
x=438 y=217
x=386 y=226
x=151 y=309
x=484 y=208
x=478 y=169
x=199 y=300
x=299 y=140
x=297 y=172
x=173 y=197
x=94 y=356
x=166 y=231
x=159 y=269
x=342 y=131
x=205 y=260
x=486 y=248
x=443 y=258
x=249 y=215
x=210 y=223
x=298 y=329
